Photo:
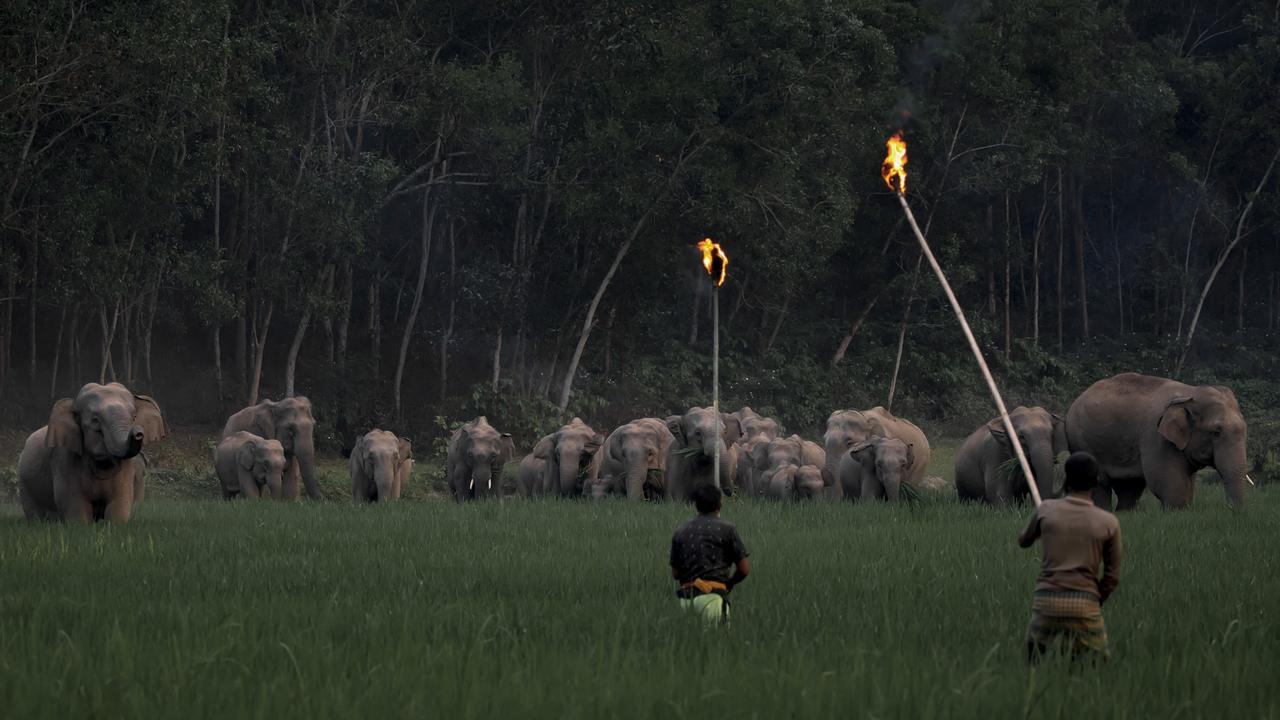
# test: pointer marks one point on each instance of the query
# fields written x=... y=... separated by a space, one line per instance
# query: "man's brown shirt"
x=1077 y=536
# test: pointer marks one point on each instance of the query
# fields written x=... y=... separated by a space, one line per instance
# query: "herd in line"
x=1147 y=433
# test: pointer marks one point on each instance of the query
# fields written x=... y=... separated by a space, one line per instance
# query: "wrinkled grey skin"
x=754 y=425
x=246 y=463
x=562 y=462
x=1153 y=433
x=846 y=428
x=882 y=465
x=380 y=466
x=770 y=458
x=636 y=455
x=477 y=453
x=797 y=482
x=756 y=429
x=1043 y=437
x=85 y=464
x=290 y=422
x=703 y=432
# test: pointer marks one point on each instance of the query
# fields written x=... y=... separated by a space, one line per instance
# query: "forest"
x=416 y=211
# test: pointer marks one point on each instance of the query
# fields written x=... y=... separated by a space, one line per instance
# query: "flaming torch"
x=716 y=263
x=895 y=168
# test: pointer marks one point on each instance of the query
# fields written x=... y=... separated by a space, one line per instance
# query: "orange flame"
x=895 y=163
x=714 y=260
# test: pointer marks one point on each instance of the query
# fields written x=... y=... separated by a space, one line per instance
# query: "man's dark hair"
x=707 y=499
x=1082 y=472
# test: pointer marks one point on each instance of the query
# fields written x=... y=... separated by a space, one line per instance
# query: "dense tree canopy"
x=428 y=208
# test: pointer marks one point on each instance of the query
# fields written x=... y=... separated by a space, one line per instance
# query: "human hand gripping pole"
x=894 y=167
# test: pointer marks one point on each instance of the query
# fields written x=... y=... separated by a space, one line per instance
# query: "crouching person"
x=708 y=559
x=1077 y=537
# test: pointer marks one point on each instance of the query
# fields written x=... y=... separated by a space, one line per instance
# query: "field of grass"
x=200 y=608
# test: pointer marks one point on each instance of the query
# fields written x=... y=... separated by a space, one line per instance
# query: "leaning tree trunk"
x=1222 y=259
x=853 y=331
x=589 y=321
x=259 y=350
x=902 y=334
x=428 y=224
x=1078 y=227
x=291 y=364
x=1062 y=294
x=57 y=352
x=31 y=303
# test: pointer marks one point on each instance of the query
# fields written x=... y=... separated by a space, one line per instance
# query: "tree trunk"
x=696 y=314
x=1077 y=199
x=428 y=225
x=497 y=361
x=1244 y=263
x=259 y=350
x=1271 y=305
x=567 y=386
x=108 y=336
x=242 y=348
x=777 y=325
x=344 y=314
x=1035 y=264
x=1185 y=285
x=326 y=324
x=1062 y=295
x=373 y=325
x=1222 y=259
x=31 y=303
x=57 y=353
x=737 y=305
x=1115 y=241
x=902 y=334
x=1008 y=313
x=608 y=341
x=853 y=331
x=291 y=363
x=447 y=334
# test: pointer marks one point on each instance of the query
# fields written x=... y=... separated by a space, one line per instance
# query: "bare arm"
x=742 y=570
x=1031 y=532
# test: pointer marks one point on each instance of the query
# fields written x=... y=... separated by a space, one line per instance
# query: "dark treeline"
x=428 y=208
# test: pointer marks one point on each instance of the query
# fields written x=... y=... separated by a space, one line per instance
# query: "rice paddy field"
x=200 y=608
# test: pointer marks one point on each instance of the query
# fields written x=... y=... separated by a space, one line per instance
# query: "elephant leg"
x=29 y=507
x=871 y=489
x=1102 y=496
x=119 y=509
x=1170 y=480
x=74 y=506
x=289 y=486
x=1128 y=492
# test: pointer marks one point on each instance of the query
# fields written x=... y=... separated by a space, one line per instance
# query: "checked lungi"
x=1074 y=618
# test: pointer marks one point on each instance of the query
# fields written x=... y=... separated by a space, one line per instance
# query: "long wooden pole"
x=977 y=352
x=715 y=372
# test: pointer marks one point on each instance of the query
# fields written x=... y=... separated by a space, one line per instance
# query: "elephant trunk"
x=637 y=472
x=1232 y=465
x=481 y=474
x=568 y=476
x=711 y=445
x=305 y=451
x=1042 y=460
x=892 y=485
x=122 y=438
x=275 y=483
x=384 y=480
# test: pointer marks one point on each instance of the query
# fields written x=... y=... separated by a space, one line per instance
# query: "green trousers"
x=713 y=608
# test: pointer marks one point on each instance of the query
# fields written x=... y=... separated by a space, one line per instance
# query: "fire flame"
x=895 y=163
x=714 y=260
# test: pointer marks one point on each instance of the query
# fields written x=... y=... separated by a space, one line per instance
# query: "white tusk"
x=1251 y=482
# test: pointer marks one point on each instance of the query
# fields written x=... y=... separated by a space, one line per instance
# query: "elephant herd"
x=1146 y=432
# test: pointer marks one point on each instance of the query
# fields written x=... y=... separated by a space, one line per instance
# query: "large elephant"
x=770 y=458
x=476 y=456
x=797 y=482
x=699 y=434
x=381 y=464
x=1150 y=432
x=756 y=430
x=290 y=422
x=635 y=456
x=847 y=428
x=1043 y=437
x=754 y=425
x=85 y=464
x=880 y=467
x=246 y=463
x=563 y=462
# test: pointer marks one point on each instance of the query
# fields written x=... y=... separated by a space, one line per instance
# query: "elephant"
x=797 y=482
x=246 y=463
x=880 y=467
x=846 y=428
x=770 y=458
x=599 y=488
x=1043 y=437
x=635 y=454
x=86 y=464
x=699 y=434
x=754 y=425
x=562 y=462
x=1150 y=432
x=476 y=456
x=380 y=466
x=290 y=422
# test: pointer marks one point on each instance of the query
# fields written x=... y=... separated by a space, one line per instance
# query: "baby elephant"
x=797 y=482
x=380 y=466
x=881 y=466
x=247 y=463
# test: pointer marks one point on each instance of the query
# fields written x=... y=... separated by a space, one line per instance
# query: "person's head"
x=1082 y=472
x=707 y=499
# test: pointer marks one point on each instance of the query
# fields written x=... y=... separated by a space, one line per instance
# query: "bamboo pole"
x=715 y=372
x=977 y=352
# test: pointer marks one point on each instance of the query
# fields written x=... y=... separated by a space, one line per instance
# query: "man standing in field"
x=1077 y=537
x=708 y=558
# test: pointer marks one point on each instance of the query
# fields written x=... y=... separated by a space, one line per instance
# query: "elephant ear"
x=732 y=428
x=359 y=471
x=64 y=427
x=506 y=447
x=147 y=415
x=1175 y=423
x=675 y=423
x=593 y=445
x=405 y=448
x=245 y=455
x=264 y=419
x=996 y=428
x=760 y=455
x=861 y=448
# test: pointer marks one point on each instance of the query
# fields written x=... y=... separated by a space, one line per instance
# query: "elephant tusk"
x=1251 y=482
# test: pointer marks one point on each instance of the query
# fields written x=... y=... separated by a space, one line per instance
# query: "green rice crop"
x=201 y=608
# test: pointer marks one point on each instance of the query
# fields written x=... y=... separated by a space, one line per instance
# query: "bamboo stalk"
x=977 y=352
x=715 y=373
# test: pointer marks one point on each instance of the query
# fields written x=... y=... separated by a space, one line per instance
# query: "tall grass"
x=565 y=609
